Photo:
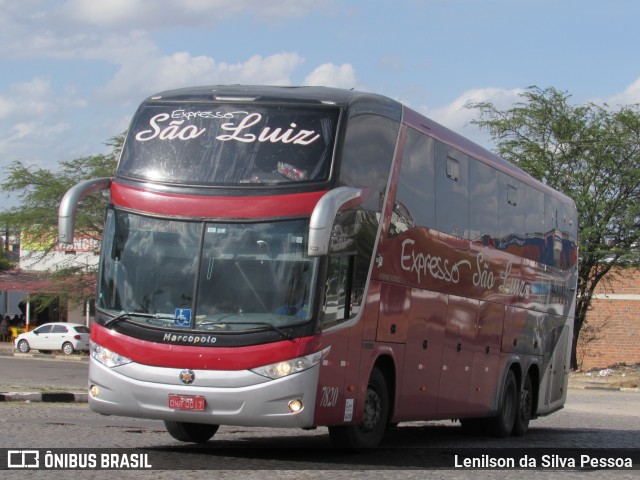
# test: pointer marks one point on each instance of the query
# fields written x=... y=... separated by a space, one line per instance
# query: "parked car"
x=68 y=337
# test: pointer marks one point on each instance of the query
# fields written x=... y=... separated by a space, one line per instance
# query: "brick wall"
x=611 y=334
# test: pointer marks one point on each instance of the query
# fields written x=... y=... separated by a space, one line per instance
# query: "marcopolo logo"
x=190 y=339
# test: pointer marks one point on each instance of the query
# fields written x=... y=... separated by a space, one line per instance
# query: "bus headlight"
x=289 y=367
x=107 y=357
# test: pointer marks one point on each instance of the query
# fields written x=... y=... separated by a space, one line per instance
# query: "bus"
x=305 y=257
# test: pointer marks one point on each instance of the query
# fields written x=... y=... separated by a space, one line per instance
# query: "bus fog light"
x=295 y=406
x=94 y=391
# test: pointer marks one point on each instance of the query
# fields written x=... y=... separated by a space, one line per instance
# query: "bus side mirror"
x=324 y=215
x=69 y=204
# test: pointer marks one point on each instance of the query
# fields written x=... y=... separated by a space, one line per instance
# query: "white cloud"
x=92 y=29
x=456 y=116
x=27 y=100
x=630 y=95
x=138 y=79
x=330 y=75
x=159 y=14
x=34 y=119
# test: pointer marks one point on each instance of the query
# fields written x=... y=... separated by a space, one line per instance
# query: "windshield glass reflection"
x=206 y=276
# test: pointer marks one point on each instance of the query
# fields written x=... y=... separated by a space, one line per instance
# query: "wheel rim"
x=67 y=348
x=23 y=347
x=372 y=410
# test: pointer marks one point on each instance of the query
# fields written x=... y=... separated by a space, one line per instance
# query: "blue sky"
x=74 y=71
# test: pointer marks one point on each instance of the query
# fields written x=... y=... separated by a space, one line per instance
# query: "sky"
x=72 y=72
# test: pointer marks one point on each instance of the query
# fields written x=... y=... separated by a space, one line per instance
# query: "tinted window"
x=483 y=203
x=452 y=191
x=366 y=158
x=553 y=235
x=204 y=144
x=534 y=224
x=415 y=203
x=510 y=214
x=337 y=294
x=81 y=329
x=44 y=329
x=59 y=329
x=569 y=235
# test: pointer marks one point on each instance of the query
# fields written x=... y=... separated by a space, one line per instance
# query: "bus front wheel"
x=191 y=432
x=369 y=432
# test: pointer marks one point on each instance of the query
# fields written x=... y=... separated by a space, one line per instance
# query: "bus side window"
x=338 y=295
x=366 y=157
x=415 y=203
x=553 y=236
x=452 y=191
x=483 y=203
x=534 y=224
x=511 y=215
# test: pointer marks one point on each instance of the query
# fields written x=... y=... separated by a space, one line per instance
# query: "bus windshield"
x=222 y=145
x=207 y=276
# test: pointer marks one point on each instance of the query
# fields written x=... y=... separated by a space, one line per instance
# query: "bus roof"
x=365 y=102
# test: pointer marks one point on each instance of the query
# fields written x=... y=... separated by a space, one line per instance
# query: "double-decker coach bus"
x=308 y=256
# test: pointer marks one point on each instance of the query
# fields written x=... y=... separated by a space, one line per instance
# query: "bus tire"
x=369 y=432
x=525 y=408
x=191 y=432
x=501 y=426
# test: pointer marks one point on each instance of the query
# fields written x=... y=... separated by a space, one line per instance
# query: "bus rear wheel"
x=502 y=425
x=525 y=408
x=191 y=432
x=369 y=433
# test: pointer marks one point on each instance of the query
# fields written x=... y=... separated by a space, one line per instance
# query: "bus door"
x=334 y=402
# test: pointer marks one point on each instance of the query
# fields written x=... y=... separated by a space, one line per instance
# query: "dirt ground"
x=615 y=376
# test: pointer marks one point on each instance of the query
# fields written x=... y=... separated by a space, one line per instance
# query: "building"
x=36 y=259
x=611 y=334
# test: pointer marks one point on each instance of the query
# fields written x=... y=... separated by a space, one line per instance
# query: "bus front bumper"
x=241 y=398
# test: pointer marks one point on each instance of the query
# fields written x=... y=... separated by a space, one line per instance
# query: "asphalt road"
x=43 y=374
x=592 y=419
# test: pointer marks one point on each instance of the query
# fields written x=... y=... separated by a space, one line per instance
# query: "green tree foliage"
x=592 y=154
x=5 y=263
x=39 y=192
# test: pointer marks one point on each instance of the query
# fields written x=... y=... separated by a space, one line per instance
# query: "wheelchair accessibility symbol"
x=183 y=317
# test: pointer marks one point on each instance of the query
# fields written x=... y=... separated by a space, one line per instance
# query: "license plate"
x=186 y=402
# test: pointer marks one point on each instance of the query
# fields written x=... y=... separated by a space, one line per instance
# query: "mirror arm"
x=69 y=204
x=324 y=214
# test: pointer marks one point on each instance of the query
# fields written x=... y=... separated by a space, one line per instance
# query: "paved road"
x=43 y=374
x=591 y=419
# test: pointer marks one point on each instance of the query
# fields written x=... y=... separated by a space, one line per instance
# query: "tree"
x=39 y=191
x=592 y=154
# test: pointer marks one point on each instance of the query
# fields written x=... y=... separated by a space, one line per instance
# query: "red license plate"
x=186 y=402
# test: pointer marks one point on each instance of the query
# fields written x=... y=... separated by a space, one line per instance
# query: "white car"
x=68 y=337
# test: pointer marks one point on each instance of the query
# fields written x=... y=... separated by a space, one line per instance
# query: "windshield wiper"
x=265 y=324
x=123 y=315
